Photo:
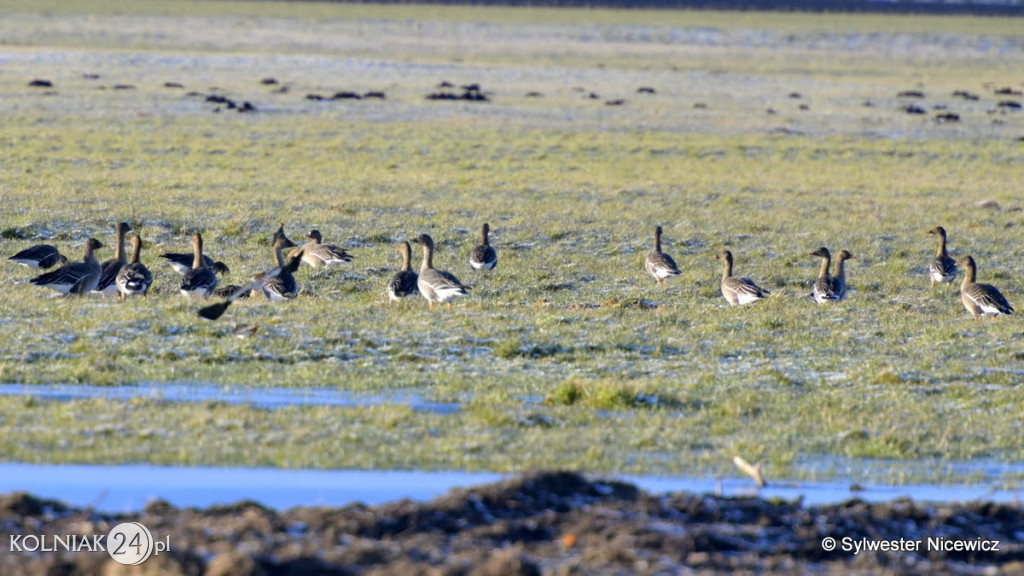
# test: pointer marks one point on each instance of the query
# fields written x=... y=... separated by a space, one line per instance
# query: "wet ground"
x=547 y=523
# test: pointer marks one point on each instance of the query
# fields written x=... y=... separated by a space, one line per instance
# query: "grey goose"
x=942 y=268
x=404 y=283
x=436 y=285
x=134 y=278
x=981 y=299
x=483 y=257
x=659 y=264
x=75 y=277
x=738 y=290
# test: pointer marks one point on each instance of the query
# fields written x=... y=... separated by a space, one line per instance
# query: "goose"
x=436 y=285
x=320 y=255
x=738 y=290
x=981 y=299
x=41 y=256
x=839 y=279
x=134 y=278
x=282 y=286
x=111 y=268
x=824 y=289
x=215 y=311
x=403 y=283
x=483 y=257
x=943 y=268
x=200 y=281
x=182 y=263
x=75 y=277
x=659 y=264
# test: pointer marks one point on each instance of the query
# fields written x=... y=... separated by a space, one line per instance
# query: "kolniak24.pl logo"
x=128 y=543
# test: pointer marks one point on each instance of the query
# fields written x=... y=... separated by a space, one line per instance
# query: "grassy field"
x=568 y=354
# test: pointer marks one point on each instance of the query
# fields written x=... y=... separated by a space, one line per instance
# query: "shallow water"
x=261 y=397
x=127 y=488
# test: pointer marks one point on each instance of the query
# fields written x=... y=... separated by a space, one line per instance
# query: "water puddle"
x=260 y=397
x=128 y=487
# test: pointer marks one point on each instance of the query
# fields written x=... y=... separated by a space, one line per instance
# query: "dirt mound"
x=542 y=523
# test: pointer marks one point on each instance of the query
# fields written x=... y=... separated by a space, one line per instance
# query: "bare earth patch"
x=551 y=523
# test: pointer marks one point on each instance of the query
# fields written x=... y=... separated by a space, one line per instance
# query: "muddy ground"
x=544 y=523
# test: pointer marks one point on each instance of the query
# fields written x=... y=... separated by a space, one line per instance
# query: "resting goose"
x=738 y=290
x=134 y=278
x=436 y=285
x=403 y=283
x=943 y=268
x=282 y=286
x=981 y=299
x=41 y=256
x=111 y=268
x=483 y=257
x=320 y=255
x=659 y=264
x=75 y=277
x=182 y=263
x=199 y=281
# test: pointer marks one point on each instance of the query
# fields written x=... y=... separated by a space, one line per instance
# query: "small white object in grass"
x=750 y=470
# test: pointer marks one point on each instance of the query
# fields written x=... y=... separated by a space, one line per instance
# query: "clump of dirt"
x=556 y=523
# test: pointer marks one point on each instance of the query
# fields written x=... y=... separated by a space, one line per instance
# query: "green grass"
x=568 y=354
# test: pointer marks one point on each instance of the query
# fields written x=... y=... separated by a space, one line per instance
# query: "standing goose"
x=282 y=286
x=981 y=299
x=134 y=278
x=943 y=268
x=320 y=255
x=111 y=268
x=839 y=280
x=41 y=256
x=75 y=277
x=199 y=281
x=659 y=264
x=824 y=289
x=403 y=283
x=436 y=285
x=483 y=257
x=738 y=290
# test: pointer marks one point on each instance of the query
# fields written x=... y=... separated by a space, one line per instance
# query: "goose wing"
x=745 y=288
x=68 y=275
x=660 y=264
x=988 y=297
x=824 y=291
x=201 y=279
x=442 y=284
x=182 y=263
x=39 y=256
x=108 y=274
x=943 y=268
x=329 y=253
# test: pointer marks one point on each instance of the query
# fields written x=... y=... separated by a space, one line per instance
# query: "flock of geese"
x=129 y=277
x=125 y=277
x=979 y=299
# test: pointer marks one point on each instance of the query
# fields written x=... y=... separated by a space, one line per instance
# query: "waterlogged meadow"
x=768 y=135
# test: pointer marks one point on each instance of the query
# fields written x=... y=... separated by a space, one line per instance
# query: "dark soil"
x=546 y=523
